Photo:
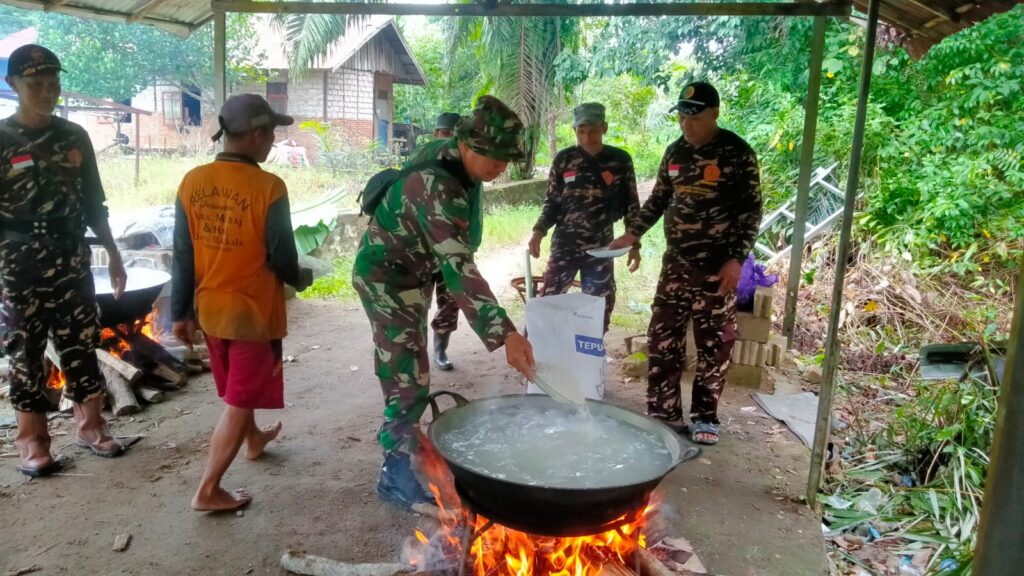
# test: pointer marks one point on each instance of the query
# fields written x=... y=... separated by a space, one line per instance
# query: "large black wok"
x=143 y=288
x=545 y=510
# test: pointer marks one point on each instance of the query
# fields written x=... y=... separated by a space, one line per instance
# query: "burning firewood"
x=309 y=565
x=130 y=373
x=651 y=566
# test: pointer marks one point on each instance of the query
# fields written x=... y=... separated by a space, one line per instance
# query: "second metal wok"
x=547 y=510
x=143 y=287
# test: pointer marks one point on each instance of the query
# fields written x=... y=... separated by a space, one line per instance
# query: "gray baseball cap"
x=589 y=113
x=244 y=112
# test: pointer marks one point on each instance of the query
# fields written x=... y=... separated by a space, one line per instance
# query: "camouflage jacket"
x=420 y=229
x=711 y=199
x=578 y=206
x=64 y=186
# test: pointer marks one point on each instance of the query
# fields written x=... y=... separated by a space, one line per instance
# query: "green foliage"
x=339 y=154
x=929 y=461
x=336 y=286
x=112 y=60
x=516 y=58
x=15 y=19
x=452 y=79
x=308 y=37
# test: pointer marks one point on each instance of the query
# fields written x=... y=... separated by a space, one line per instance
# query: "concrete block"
x=745 y=376
x=763 y=301
x=750 y=327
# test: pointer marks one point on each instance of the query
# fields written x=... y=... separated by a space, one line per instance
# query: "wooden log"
x=174 y=378
x=144 y=346
x=651 y=566
x=615 y=568
x=52 y=356
x=309 y=565
x=150 y=394
x=130 y=373
x=122 y=397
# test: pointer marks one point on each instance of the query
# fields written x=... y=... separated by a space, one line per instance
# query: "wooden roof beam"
x=144 y=10
x=840 y=8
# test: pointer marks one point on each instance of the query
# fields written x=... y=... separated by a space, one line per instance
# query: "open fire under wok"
x=542 y=509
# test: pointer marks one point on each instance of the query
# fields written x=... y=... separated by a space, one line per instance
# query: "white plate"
x=604 y=252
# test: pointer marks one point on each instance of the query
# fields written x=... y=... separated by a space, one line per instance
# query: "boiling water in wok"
x=555 y=446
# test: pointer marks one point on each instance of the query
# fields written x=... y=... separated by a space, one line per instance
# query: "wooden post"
x=138 y=146
x=220 y=85
x=998 y=550
x=823 y=425
x=803 y=188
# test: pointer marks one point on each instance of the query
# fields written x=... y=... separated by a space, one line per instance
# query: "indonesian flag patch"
x=673 y=170
x=22 y=162
x=569 y=177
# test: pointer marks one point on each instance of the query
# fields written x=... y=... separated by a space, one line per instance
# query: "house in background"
x=352 y=88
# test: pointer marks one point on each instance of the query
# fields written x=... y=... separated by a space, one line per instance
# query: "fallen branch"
x=309 y=565
x=26 y=570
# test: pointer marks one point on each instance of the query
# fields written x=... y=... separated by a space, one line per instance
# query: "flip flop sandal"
x=104 y=453
x=52 y=468
x=706 y=429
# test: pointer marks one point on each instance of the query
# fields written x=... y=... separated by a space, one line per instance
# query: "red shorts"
x=248 y=374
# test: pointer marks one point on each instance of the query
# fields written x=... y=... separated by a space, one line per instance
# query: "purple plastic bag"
x=751 y=277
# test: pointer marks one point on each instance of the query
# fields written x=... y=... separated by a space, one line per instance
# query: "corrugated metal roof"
x=925 y=21
x=178 y=16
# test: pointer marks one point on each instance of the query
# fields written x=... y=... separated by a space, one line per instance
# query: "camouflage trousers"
x=398 y=319
x=48 y=292
x=597 y=277
x=685 y=293
x=446 y=318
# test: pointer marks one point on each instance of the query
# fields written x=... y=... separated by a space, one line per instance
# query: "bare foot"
x=221 y=500
x=255 y=443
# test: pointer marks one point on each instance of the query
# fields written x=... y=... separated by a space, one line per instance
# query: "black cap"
x=244 y=112
x=32 y=59
x=695 y=98
x=446 y=121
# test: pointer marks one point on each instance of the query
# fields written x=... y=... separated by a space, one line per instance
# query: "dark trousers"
x=48 y=292
x=685 y=293
x=597 y=278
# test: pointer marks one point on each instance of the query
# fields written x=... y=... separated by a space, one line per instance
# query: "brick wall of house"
x=350 y=95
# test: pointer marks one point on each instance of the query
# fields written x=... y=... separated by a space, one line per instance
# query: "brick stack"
x=752 y=352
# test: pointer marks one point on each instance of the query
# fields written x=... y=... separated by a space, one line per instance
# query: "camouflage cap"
x=446 y=121
x=492 y=130
x=589 y=113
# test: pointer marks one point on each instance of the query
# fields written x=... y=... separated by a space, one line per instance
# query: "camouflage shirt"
x=420 y=229
x=711 y=199
x=64 y=186
x=581 y=209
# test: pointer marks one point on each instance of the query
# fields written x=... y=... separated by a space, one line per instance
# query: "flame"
x=113 y=342
x=147 y=326
x=502 y=551
x=56 y=380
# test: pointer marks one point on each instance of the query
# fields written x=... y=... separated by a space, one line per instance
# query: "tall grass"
x=159 y=177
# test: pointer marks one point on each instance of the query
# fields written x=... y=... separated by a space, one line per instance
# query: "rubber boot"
x=398 y=484
x=441 y=351
x=33 y=442
x=92 y=429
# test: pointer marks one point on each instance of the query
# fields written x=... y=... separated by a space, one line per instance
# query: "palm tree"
x=308 y=37
x=517 y=61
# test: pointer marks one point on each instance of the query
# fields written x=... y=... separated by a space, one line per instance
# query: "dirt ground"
x=315 y=489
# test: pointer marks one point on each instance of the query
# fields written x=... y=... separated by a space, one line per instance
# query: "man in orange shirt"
x=234 y=251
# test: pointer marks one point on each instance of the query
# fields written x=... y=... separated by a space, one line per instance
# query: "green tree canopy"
x=111 y=60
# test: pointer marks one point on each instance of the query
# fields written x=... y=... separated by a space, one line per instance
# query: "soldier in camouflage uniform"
x=427 y=224
x=590 y=186
x=446 y=319
x=708 y=188
x=50 y=191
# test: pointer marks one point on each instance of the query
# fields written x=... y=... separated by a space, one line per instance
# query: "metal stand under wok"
x=470 y=534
